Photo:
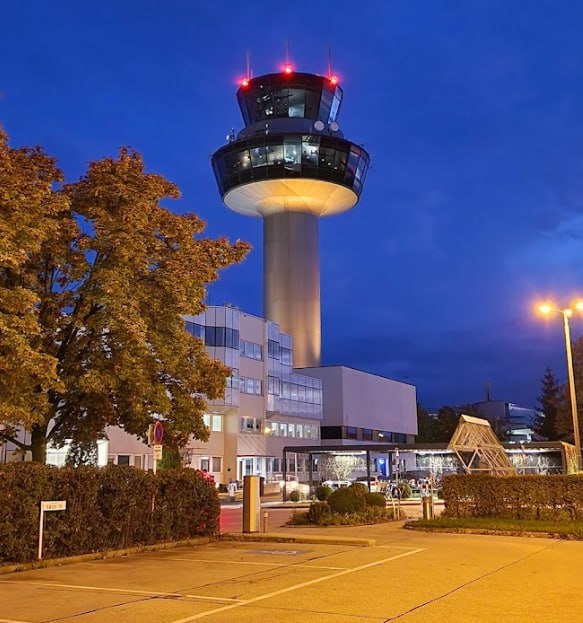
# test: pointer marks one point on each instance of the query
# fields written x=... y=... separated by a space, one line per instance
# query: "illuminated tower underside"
x=289 y=166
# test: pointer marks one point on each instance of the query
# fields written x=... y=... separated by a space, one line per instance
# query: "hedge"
x=108 y=508
x=552 y=497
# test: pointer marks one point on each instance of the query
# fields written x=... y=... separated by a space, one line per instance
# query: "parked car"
x=336 y=484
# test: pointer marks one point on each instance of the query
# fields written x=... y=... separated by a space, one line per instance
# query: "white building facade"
x=266 y=405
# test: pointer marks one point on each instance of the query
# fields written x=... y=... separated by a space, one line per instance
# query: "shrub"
x=375 y=499
x=323 y=492
x=405 y=489
x=294 y=496
x=109 y=508
x=319 y=512
x=346 y=500
x=359 y=488
x=554 y=497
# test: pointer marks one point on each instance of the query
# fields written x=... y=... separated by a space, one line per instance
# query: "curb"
x=487 y=532
x=286 y=538
x=114 y=553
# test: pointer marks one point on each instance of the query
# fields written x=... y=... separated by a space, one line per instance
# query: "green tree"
x=447 y=421
x=94 y=280
x=426 y=426
x=549 y=402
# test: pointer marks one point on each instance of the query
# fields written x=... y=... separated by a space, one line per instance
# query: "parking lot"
x=407 y=576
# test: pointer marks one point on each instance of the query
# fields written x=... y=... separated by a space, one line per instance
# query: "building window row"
x=221 y=336
x=214 y=422
x=279 y=353
x=362 y=434
x=288 y=429
x=214 y=336
x=212 y=464
x=251 y=350
x=250 y=425
x=248 y=385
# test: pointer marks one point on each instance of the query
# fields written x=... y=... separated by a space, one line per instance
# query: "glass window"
x=217 y=423
x=299 y=430
x=297 y=102
x=123 y=459
x=274 y=155
x=283 y=429
x=216 y=464
x=285 y=390
x=258 y=352
x=244 y=160
x=209 y=337
x=351 y=432
x=291 y=430
x=275 y=429
x=315 y=431
x=249 y=386
x=293 y=391
x=335 y=107
x=258 y=157
x=310 y=147
x=257 y=425
x=292 y=154
x=301 y=393
x=206 y=418
x=220 y=336
x=286 y=356
x=312 y=104
x=250 y=425
x=309 y=395
x=273 y=349
x=205 y=464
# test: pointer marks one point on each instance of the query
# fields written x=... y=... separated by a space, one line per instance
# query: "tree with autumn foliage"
x=95 y=277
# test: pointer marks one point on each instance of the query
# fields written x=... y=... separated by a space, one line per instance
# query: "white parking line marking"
x=259 y=564
x=118 y=590
x=12 y=621
x=246 y=602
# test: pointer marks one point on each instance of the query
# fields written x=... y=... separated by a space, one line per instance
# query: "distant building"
x=518 y=421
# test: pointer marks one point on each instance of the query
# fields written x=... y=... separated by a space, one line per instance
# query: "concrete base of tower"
x=291 y=281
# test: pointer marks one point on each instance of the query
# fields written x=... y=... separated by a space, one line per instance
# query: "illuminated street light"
x=548 y=308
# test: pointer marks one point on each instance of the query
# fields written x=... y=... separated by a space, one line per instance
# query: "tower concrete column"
x=291 y=281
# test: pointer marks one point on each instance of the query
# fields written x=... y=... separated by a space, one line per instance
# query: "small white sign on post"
x=157 y=452
x=47 y=505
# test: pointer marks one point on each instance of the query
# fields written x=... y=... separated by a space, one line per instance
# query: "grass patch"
x=563 y=529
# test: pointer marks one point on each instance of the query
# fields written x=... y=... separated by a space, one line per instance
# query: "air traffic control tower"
x=291 y=165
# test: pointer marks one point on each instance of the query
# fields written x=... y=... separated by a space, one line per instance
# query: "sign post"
x=157 y=437
x=45 y=506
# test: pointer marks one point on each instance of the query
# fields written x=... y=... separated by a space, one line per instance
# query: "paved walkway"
x=407 y=576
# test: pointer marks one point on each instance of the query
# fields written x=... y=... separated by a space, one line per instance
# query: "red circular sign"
x=158 y=433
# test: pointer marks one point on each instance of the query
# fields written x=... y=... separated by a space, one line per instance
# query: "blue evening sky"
x=471 y=111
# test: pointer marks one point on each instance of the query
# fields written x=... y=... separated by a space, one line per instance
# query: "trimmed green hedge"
x=554 y=497
x=108 y=508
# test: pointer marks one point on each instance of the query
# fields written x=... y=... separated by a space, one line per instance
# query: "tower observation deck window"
x=291 y=155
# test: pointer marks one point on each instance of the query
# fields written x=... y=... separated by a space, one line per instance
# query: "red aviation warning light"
x=288 y=69
x=334 y=80
x=244 y=83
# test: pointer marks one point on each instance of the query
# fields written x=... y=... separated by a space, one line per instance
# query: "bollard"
x=265 y=520
x=427 y=503
x=251 y=504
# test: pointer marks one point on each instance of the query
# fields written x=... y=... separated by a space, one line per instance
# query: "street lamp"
x=549 y=308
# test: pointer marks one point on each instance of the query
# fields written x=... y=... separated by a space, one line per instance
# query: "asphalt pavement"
x=406 y=576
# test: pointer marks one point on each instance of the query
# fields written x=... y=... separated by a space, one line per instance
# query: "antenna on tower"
x=248 y=62
x=329 y=62
x=488 y=388
x=287 y=52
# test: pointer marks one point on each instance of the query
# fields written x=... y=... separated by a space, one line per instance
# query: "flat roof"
x=416 y=447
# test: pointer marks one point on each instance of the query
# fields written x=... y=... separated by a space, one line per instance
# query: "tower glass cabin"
x=291 y=165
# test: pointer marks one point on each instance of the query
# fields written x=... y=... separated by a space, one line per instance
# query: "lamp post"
x=567 y=313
